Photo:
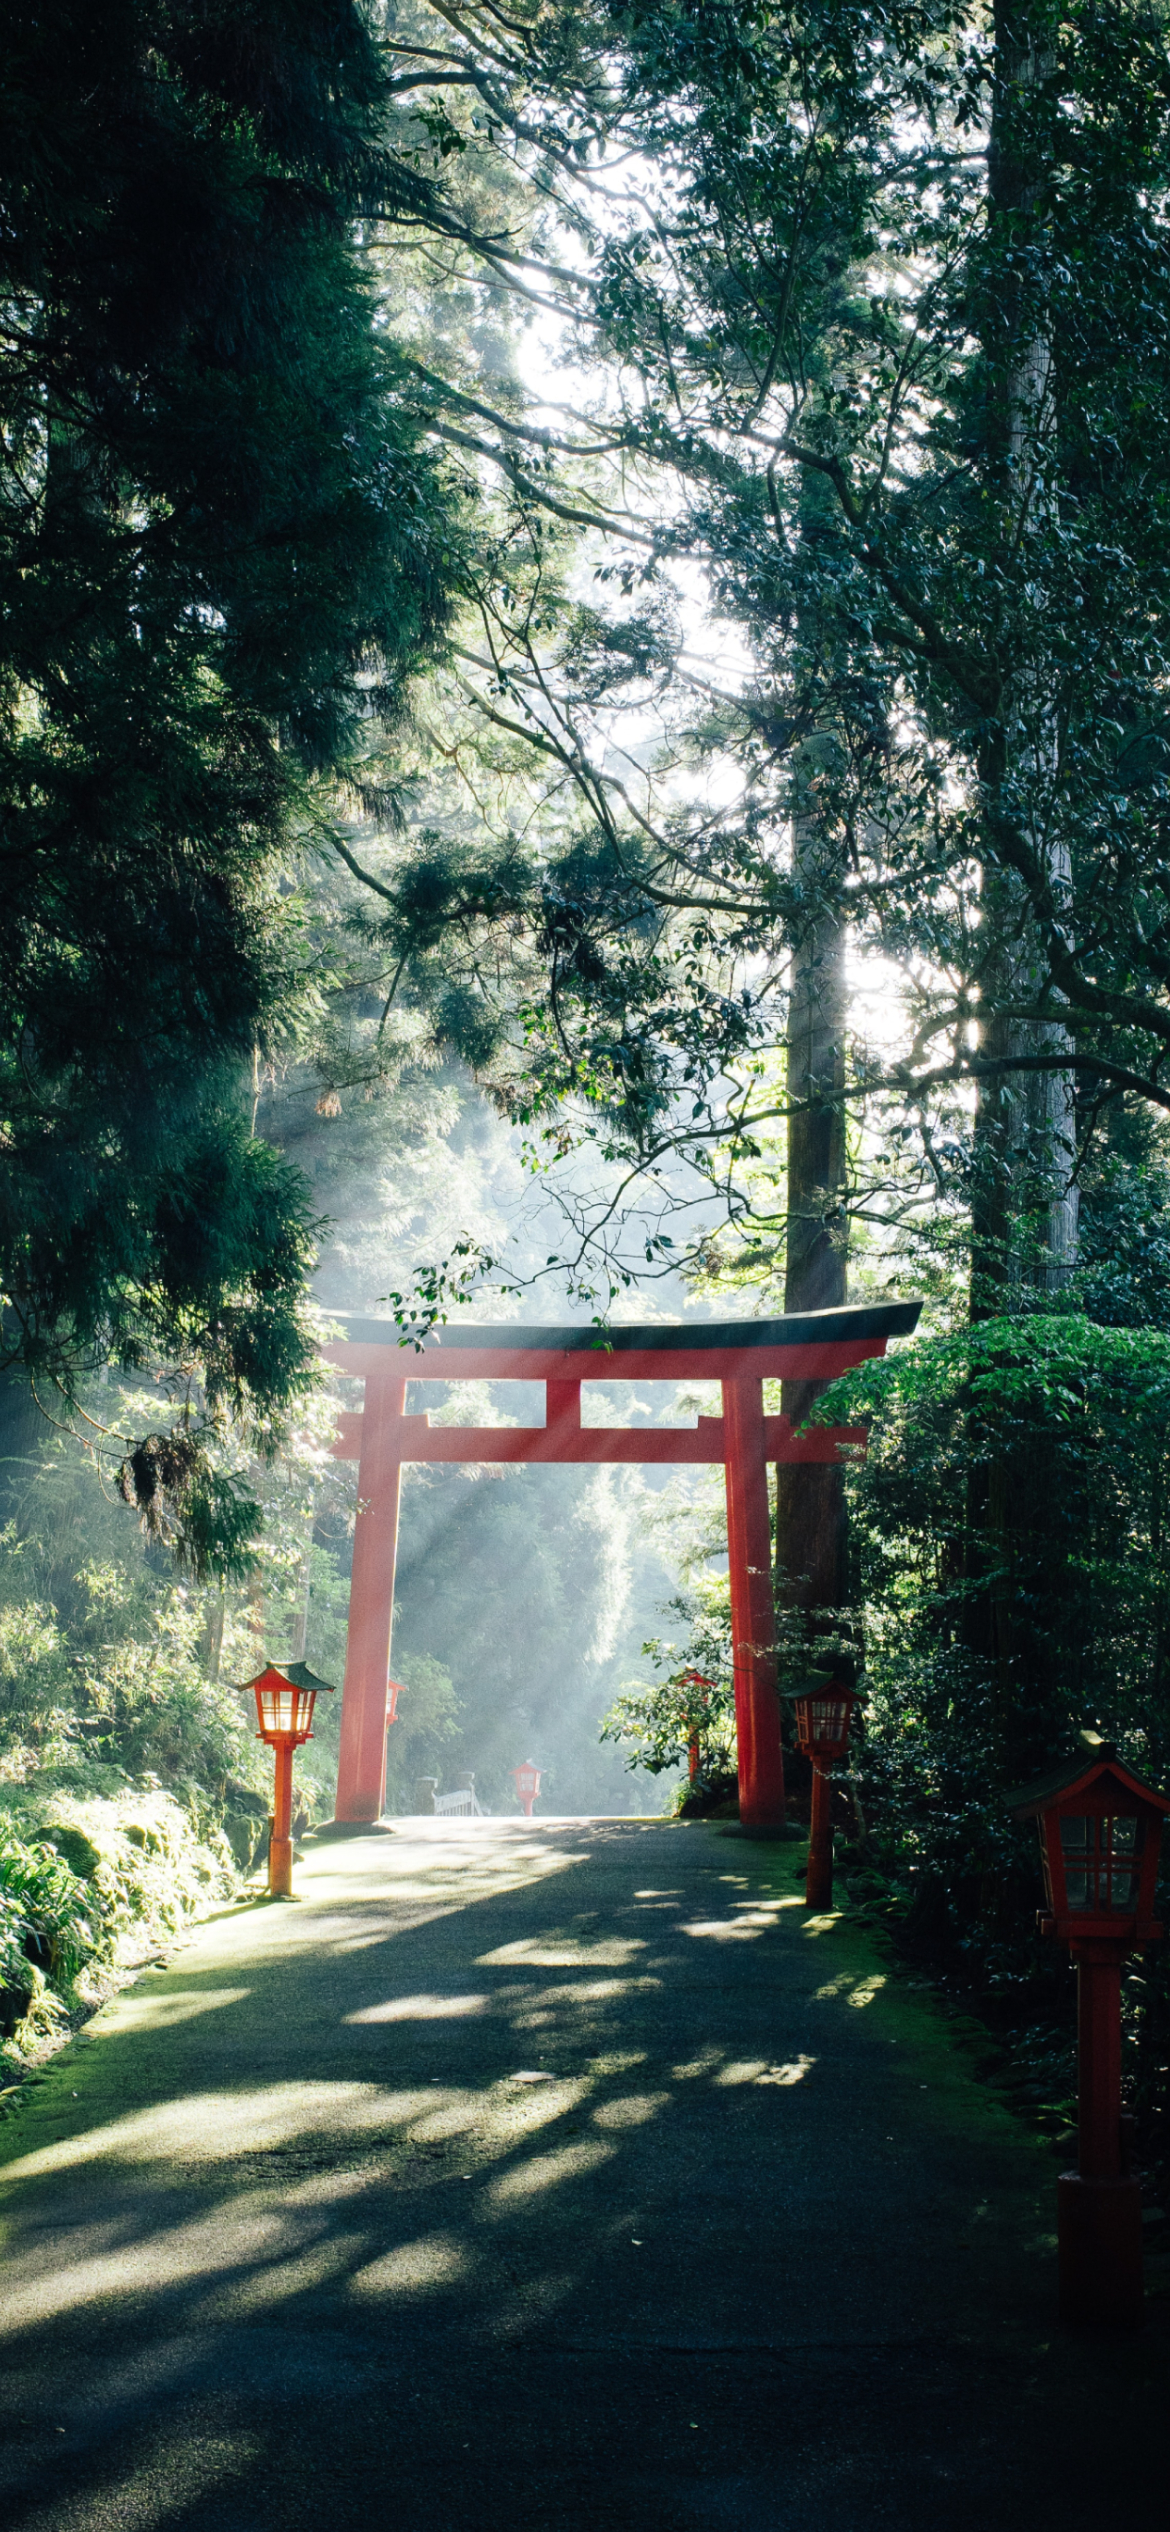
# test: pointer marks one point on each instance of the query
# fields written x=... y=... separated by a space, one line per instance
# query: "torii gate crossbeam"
x=741 y=1355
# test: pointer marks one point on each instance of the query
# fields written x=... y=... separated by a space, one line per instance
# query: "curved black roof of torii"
x=880 y=1319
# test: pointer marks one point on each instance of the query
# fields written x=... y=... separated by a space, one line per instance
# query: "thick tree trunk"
x=810 y=1502
x=1025 y=1197
x=1024 y=1194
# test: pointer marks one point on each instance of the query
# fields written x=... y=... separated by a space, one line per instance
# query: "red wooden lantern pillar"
x=280 y=1842
x=285 y=1700
x=824 y=1711
x=1100 y=1837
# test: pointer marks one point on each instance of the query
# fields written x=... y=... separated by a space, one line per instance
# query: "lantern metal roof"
x=297 y=1675
x=1078 y=1775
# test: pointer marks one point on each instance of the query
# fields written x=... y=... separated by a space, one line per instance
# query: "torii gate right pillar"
x=753 y=1623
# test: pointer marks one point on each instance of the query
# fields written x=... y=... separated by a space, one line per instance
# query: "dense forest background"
x=583 y=729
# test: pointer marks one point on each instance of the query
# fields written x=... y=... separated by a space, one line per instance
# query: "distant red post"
x=361 y=1771
x=527 y=1782
x=753 y=1621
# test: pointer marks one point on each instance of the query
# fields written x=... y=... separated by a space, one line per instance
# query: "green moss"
x=73 y=1846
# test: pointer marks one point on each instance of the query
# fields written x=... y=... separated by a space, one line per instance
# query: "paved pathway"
x=560 y=2175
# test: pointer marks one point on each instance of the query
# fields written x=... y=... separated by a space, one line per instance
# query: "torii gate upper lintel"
x=740 y=1354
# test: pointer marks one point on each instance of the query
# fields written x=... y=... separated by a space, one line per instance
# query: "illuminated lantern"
x=824 y=1711
x=527 y=1782
x=1100 y=1838
x=284 y=1711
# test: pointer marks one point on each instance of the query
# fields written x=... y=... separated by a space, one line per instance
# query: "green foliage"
x=1013 y=1582
x=47 y=1917
x=428 y=1721
x=693 y=1706
x=88 y=1880
x=183 y=1499
x=102 y=1650
x=659 y=1726
x=1067 y=1422
x=224 y=548
x=858 y=234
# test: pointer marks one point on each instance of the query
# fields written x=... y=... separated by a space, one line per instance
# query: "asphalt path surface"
x=562 y=2174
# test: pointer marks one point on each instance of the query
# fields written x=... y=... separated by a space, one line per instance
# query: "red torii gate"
x=741 y=1355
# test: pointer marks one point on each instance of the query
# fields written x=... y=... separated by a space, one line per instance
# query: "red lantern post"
x=527 y=1782
x=284 y=1709
x=1100 y=1836
x=824 y=1711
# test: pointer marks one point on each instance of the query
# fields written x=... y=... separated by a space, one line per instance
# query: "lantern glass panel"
x=1101 y=1852
x=279 y=1709
x=830 y=1720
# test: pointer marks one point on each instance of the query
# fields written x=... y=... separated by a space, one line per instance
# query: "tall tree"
x=919 y=264
x=223 y=549
x=1025 y=1150
x=810 y=1502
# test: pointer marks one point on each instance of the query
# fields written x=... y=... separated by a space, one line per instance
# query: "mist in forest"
x=524 y=1596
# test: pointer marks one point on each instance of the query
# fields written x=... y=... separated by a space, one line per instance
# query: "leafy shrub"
x=1012 y=1581
x=48 y=1931
x=693 y=1704
x=148 y=1866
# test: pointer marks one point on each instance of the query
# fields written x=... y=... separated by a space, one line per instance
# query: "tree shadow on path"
x=563 y=2175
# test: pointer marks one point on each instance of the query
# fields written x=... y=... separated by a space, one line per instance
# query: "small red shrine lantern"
x=1100 y=1840
x=284 y=1710
x=394 y=1690
x=527 y=1782
x=823 y=1717
x=824 y=1712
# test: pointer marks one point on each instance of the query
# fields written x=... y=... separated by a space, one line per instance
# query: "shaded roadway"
x=559 y=2174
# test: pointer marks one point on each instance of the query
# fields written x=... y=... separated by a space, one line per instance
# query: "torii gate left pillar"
x=361 y=1770
x=383 y=1437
